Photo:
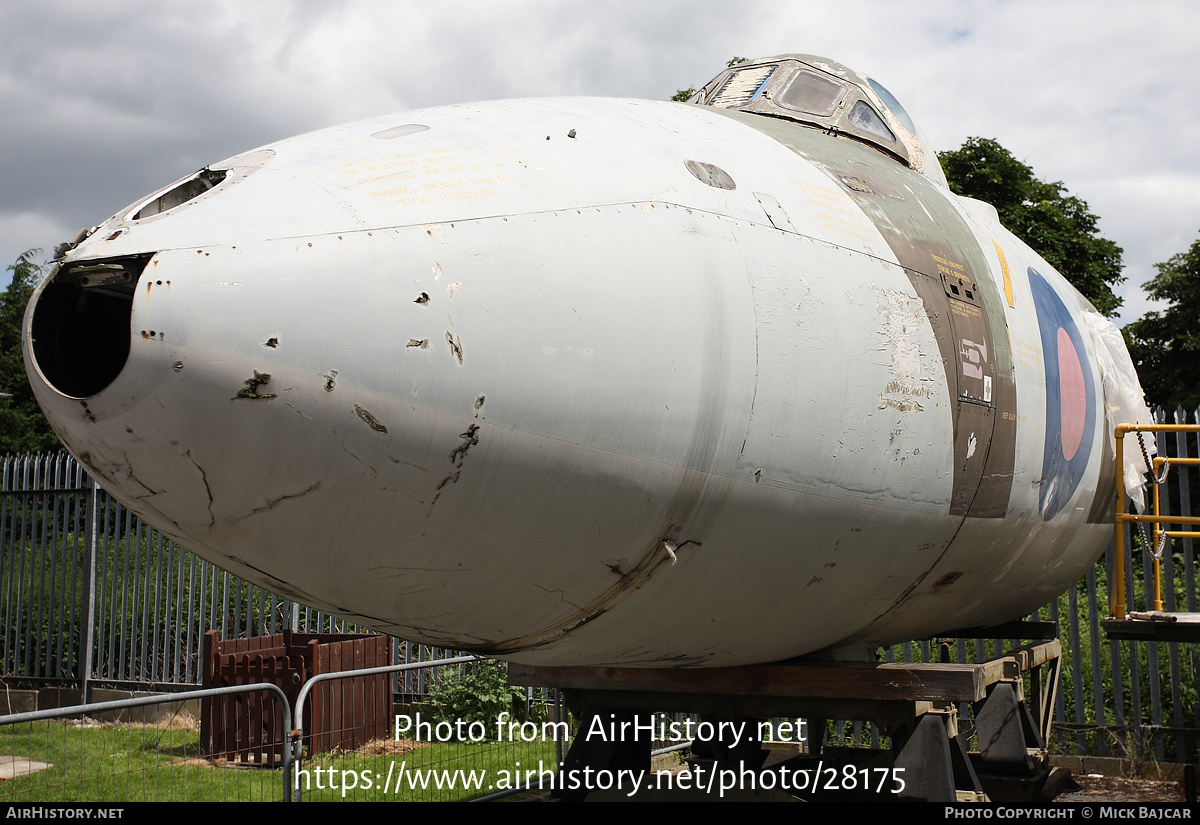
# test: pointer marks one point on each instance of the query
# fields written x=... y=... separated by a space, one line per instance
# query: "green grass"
x=130 y=763
x=493 y=765
x=125 y=763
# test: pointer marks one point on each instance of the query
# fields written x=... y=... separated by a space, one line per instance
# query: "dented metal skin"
x=529 y=378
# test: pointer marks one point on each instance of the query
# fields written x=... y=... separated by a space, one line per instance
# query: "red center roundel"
x=1072 y=394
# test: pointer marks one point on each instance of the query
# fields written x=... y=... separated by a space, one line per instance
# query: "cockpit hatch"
x=826 y=95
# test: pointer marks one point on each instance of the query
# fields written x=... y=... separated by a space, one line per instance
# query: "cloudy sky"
x=101 y=103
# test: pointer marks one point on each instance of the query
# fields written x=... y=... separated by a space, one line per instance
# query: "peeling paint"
x=902 y=319
x=300 y=412
x=370 y=420
x=671 y=547
x=451 y=287
x=330 y=380
x=902 y=406
x=479 y=401
x=279 y=585
x=368 y=466
x=971 y=442
x=272 y=342
x=129 y=475
x=250 y=390
x=271 y=502
x=394 y=572
x=437 y=271
x=204 y=477
x=422 y=299
x=606 y=601
x=421 y=344
x=455 y=346
x=470 y=439
x=434 y=230
x=561 y=594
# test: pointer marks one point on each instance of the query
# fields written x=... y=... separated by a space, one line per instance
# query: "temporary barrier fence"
x=151 y=749
x=142 y=749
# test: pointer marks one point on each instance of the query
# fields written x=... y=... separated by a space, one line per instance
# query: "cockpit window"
x=812 y=93
x=863 y=117
x=894 y=105
x=824 y=94
x=742 y=86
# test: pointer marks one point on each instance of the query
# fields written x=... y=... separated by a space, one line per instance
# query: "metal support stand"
x=605 y=753
x=913 y=704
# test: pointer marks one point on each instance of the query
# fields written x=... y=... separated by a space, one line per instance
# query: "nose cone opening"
x=80 y=324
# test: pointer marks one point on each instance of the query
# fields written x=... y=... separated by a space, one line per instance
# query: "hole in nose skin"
x=80 y=324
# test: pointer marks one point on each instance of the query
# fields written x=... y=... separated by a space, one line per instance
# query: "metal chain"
x=1149 y=465
x=1155 y=552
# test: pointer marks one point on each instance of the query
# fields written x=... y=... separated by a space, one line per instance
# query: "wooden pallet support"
x=914 y=704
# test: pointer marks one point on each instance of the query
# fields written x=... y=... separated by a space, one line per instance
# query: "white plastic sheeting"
x=1124 y=401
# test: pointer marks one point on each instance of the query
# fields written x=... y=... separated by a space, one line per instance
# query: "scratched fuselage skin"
x=527 y=381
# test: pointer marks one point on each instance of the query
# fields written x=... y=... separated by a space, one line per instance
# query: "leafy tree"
x=1165 y=346
x=23 y=428
x=1059 y=226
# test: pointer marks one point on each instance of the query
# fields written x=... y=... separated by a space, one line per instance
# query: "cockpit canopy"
x=827 y=95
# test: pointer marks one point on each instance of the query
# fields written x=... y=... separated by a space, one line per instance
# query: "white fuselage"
x=537 y=389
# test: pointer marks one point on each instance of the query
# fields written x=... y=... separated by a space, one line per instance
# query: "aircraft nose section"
x=99 y=362
x=221 y=391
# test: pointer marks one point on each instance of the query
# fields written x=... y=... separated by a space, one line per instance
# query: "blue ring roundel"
x=1070 y=399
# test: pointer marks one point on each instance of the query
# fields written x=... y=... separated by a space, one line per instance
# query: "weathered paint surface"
x=712 y=389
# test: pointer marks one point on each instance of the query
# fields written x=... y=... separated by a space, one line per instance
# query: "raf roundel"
x=1070 y=399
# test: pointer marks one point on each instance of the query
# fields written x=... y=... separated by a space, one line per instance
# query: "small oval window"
x=712 y=175
x=400 y=131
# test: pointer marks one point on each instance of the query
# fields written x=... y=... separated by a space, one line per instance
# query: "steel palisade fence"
x=90 y=594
